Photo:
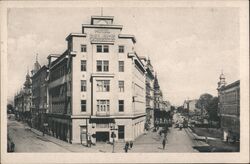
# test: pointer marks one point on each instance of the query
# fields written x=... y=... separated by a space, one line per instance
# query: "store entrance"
x=102 y=136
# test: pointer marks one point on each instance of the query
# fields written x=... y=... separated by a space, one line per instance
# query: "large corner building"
x=97 y=86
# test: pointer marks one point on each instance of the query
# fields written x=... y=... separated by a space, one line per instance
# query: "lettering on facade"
x=102 y=36
x=102 y=125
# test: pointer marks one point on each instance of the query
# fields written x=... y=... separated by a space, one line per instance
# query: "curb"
x=36 y=131
x=202 y=137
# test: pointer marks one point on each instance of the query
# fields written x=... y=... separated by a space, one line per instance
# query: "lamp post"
x=113 y=135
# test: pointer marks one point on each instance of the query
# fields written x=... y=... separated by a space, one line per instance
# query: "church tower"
x=37 y=66
x=222 y=81
x=27 y=83
x=156 y=83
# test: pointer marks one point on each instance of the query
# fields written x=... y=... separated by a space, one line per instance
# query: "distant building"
x=97 y=86
x=166 y=106
x=22 y=101
x=149 y=93
x=190 y=106
x=39 y=96
x=158 y=101
x=229 y=108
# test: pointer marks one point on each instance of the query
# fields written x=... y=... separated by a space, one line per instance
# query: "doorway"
x=102 y=136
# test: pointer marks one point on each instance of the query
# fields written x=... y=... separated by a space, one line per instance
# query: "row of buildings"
x=97 y=87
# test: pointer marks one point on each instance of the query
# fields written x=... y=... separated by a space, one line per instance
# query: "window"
x=83 y=86
x=83 y=105
x=121 y=66
x=83 y=48
x=121 y=131
x=105 y=48
x=121 y=105
x=105 y=66
x=102 y=105
x=121 y=86
x=102 y=48
x=83 y=65
x=98 y=48
x=102 y=65
x=103 y=85
x=121 y=49
x=99 y=66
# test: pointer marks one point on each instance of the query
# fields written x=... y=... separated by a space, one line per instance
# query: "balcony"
x=102 y=113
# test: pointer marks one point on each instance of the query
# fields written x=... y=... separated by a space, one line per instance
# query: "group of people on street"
x=128 y=145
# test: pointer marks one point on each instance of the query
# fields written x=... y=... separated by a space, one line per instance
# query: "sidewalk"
x=213 y=144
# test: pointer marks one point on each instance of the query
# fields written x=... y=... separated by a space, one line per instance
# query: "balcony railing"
x=102 y=113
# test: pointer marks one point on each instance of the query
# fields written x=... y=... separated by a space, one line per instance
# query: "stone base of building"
x=104 y=129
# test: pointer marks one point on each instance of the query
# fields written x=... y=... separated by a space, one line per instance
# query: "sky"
x=188 y=47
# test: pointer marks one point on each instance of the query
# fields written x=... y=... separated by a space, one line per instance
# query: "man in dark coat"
x=164 y=143
x=126 y=147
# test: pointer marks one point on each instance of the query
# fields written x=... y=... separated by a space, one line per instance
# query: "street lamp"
x=113 y=135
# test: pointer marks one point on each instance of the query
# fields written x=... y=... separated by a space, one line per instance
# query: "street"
x=27 y=140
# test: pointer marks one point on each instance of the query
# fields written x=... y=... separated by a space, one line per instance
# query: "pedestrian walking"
x=131 y=144
x=126 y=147
x=160 y=132
x=163 y=143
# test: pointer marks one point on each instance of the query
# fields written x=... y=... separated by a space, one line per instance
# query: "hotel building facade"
x=97 y=86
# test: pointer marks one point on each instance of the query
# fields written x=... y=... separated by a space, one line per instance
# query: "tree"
x=180 y=109
x=212 y=109
x=203 y=102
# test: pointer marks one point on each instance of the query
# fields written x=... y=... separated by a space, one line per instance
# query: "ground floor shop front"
x=108 y=129
x=80 y=129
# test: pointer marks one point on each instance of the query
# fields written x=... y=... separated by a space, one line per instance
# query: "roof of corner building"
x=102 y=17
x=109 y=18
x=234 y=84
